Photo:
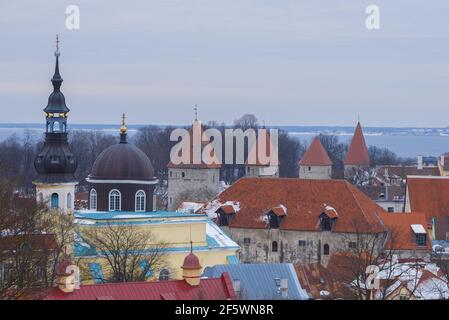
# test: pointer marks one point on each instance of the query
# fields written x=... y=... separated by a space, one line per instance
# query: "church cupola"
x=56 y=110
x=56 y=164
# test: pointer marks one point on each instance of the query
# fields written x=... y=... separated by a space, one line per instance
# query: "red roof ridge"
x=358 y=152
x=316 y=155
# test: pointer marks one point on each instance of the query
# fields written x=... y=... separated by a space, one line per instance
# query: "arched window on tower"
x=140 y=201
x=164 y=275
x=326 y=249
x=56 y=127
x=93 y=200
x=69 y=201
x=115 y=200
x=54 y=201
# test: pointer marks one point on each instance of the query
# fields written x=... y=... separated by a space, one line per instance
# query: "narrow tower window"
x=140 y=201
x=93 y=200
x=115 y=201
x=69 y=201
x=54 y=201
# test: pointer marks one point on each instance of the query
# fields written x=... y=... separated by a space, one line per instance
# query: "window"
x=246 y=241
x=274 y=246
x=274 y=221
x=352 y=245
x=93 y=200
x=183 y=174
x=69 y=201
x=164 y=275
x=56 y=126
x=54 y=201
x=390 y=209
x=140 y=201
x=115 y=201
x=171 y=174
x=302 y=243
x=310 y=168
x=325 y=223
x=421 y=239
x=326 y=249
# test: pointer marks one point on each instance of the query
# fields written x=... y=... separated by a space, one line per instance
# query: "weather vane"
x=196 y=111
x=57 y=46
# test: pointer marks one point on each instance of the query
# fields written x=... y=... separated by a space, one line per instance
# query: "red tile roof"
x=357 y=152
x=305 y=201
x=401 y=234
x=191 y=165
x=226 y=209
x=429 y=195
x=315 y=155
x=37 y=242
x=208 y=289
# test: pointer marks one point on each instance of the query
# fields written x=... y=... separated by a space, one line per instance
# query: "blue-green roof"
x=112 y=215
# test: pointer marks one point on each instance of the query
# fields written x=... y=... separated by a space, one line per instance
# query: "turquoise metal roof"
x=112 y=215
x=261 y=281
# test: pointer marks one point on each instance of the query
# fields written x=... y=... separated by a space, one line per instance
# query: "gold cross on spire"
x=57 y=46
x=123 y=128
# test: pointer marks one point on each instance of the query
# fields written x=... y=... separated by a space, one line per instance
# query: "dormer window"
x=328 y=218
x=225 y=214
x=275 y=216
x=325 y=223
x=420 y=234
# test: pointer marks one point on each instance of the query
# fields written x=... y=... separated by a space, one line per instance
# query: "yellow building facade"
x=180 y=232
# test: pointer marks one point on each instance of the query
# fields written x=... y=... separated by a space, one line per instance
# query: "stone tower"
x=190 y=181
x=357 y=157
x=262 y=170
x=315 y=164
x=55 y=164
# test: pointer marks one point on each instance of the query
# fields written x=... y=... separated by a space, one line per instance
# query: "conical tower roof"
x=357 y=152
x=316 y=155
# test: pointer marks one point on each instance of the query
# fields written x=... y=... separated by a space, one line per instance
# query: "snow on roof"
x=211 y=207
x=189 y=207
x=213 y=231
x=418 y=229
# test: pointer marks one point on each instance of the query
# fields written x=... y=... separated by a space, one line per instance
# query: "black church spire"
x=56 y=163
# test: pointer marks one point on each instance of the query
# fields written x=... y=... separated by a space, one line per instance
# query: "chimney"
x=237 y=287
x=420 y=163
x=442 y=160
x=284 y=288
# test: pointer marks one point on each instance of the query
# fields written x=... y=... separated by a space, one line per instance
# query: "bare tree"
x=131 y=253
x=33 y=240
x=364 y=254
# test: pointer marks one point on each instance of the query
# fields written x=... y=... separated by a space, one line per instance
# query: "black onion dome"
x=56 y=100
x=55 y=163
x=122 y=161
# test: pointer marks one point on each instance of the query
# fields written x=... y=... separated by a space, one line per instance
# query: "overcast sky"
x=290 y=62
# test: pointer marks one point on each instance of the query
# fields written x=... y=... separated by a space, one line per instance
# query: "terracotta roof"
x=36 y=241
x=306 y=200
x=279 y=211
x=404 y=171
x=401 y=235
x=191 y=262
x=357 y=152
x=429 y=195
x=191 y=165
x=208 y=289
x=315 y=155
x=382 y=193
x=226 y=209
